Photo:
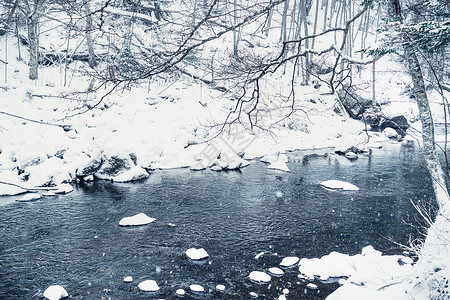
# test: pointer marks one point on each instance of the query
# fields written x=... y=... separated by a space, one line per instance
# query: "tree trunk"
x=415 y=72
x=33 y=48
x=90 y=44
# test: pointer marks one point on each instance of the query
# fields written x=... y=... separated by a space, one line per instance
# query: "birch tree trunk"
x=33 y=48
x=90 y=44
x=415 y=72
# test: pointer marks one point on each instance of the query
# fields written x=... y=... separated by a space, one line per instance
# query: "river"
x=74 y=240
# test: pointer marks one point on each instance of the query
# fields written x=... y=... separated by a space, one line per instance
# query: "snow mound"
x=148 y=286
x=289 y=262
x=197 y=288
x=12 y=188
x=197 y=254
x=260 y=277
x=370 y=268
x=339 y=185
x=136 y=220
x=55 y=292
x=29 y=197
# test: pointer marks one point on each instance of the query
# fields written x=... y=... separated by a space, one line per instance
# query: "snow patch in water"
x=148 y=286
x=55 y=292
x=197 y=254
x=339 y=185
x=136 y=220
x=260 y=277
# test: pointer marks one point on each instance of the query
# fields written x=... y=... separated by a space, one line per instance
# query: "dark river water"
x=75 y=240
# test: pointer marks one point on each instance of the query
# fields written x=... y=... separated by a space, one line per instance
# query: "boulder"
x=114 y=164
x=354 y=104
x=399 y=124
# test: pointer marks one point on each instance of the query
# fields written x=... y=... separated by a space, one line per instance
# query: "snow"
x=312 y=286
x=63 y=188
x=135 y=173
x=370 y=269
x=197 y=254
x=148 y=286
x=136 y=220
x=285 y=291
x=289 y=262
x=13 y=188
x=55 y=292
x=257 y=256
x=253 y=295
x=180 y=292
x=220 y=287
x=339 y=185
x=259 y=277
x=29 y=197
x=128 y=279
x=276 y=271
x=197 y=288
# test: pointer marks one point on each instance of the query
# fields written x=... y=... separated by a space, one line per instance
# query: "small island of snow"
x=136 y=220
x=55 y=292
x=148 y=286
x=197 y=254
x=339 y=185
x=260 y=277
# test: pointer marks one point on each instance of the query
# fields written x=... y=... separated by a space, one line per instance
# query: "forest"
x=119 y=89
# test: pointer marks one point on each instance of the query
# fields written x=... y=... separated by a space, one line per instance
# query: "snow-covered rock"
x=135 y=173
x=148 y=286
x=196 y=288
x=289 y=261
x=136 y=220
x=29 y=197
x=276 y=271
x=197 y=254
x=282 y=297
x=339 y=185
x=55 y=292
x=285 y=291
x=64 y=188
x=220 y=287
x=390 y=133
x=312 y=286
x=260 y=277
x=253 y=295
x=257 y=256
x=114 y=164
x=279 y=165
x=180 y=292
x=128 y=279
x=351 y=155
x=374 y=145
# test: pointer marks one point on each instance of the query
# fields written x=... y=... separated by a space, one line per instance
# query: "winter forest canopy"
x=258 y=68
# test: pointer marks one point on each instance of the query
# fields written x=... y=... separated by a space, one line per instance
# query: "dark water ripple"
x=75 y=240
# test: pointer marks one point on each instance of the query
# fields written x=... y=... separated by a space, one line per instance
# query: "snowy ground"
x=44 y=141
